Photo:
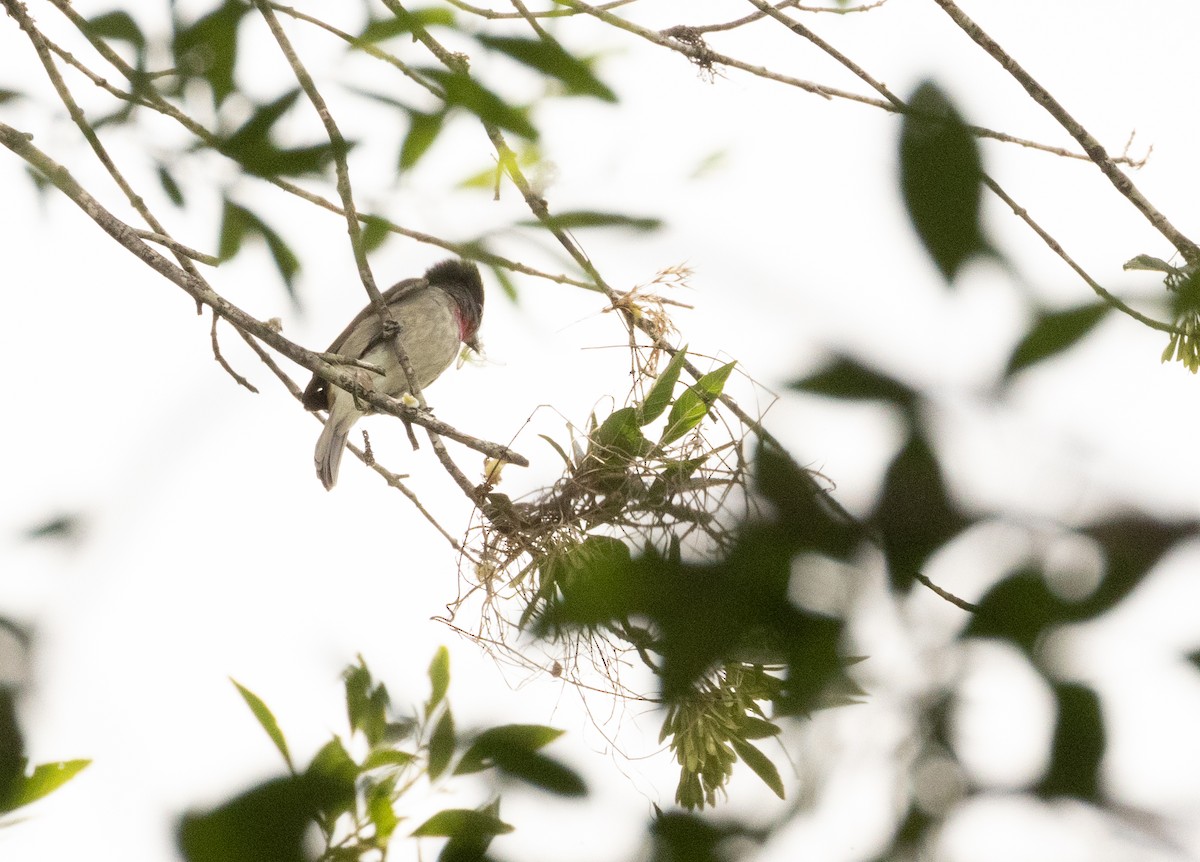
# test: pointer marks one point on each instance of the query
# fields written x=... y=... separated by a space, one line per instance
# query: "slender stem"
x=20 y=144
x=1091 y=146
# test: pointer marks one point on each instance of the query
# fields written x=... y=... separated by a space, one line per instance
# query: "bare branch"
x=1094 y=149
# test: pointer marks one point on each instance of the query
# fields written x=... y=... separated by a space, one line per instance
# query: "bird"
x=436 y=313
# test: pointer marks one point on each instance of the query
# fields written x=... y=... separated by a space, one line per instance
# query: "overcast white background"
x=210 y=550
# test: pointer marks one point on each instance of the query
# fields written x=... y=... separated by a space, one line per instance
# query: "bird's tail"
x=330 y=446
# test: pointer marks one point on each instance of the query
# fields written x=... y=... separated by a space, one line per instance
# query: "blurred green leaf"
x=915 y=514
x=12 y=748
x=941 y=179
x=454 y=822
x=575 y=219
x=332 y=765
x=693 y=404
x=238 y=223
x=521 y=761
x=208 y=48
x=42 y=781
x=528 y=737
x=266 y=720
x=659 y=396
x=847 y=378
x=760 y=764
x=512 y=749
x=380 y=811
x=267 y=823
x=506 y=283
x=1053 y=332
x=366 y=703
x=1078 y=747
x=1020 y=608
x=463 y=91
x=1132 y=544
x=251 y=145
x=406 y=21
x=679 y=837
x=548 y=57
x=169 y=186
x=64 y=527
x=375 y=232
x=441 y=744
x=423 y=130
x=386 y=757
x=121 y=26
x=805 y=513
x=439 y=679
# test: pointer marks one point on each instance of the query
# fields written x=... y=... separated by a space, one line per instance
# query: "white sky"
x=211 y=550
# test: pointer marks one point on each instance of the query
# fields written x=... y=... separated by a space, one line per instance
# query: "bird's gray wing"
x=362 y=333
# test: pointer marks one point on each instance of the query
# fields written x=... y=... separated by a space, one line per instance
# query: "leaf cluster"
x=356 y=801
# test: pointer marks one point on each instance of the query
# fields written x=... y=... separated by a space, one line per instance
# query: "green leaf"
x=539 y=771
x=266 y=720
x=575 y=219
x=455 y=822
x=366 y=703
x=44 y=780
x=386 y=757
x=1078 y=746
x=548 y=57
x=760 y=763
x=562 y=453
x=805 y=512
x=1019 y=609
x=619 y=439
x=439 y=679
x=849 y=379
x=423 y=130
x=915 y=514
x=119 y=25
x=380 y=811
x=682 y=837
x=1149 y=263
x=169 y=186
x=659 y=396
x=237 y=223
x=506 y=283
x=208 y=48
x=441 y=744
x=941 y=179
x=332 y=764
x=463 y=91
x=693 y=404
x=251 y=145
x=268 y=823
x=12 y=744
x=406 y=21
x=375 y=232
x=527 y=737
x=1053 y=332
x=758 y=728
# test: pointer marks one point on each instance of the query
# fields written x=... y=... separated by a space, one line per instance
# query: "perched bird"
x=436 y=313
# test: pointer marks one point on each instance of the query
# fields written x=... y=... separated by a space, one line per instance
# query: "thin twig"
x=20 y=143
x=900 y=106
x=179 y=248
x=216 y=348
x=1091 y=146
